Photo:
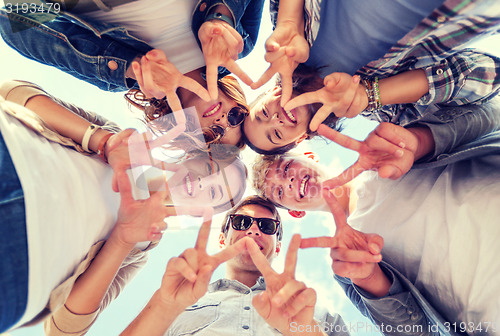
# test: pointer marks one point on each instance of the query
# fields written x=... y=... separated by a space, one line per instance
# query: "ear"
x=278 y=248
x=222 y=240
x=276 y=90
x=313 y=156
x=302 y=138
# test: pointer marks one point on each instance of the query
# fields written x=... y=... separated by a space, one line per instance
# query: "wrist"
x=425 y=141
x=116 y=241
x=376 y=283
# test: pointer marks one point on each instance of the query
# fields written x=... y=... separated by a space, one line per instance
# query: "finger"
x=173 y=101
x=336 y=208
x=179 y=265
x=287 y=292
x=167 y=137
x=392 y=133
x=201 y=241
x=301 y=100
x=378 y=143
x=339 y=138
x=203 y=279
x=262 y=304
x=272 y=56
x=234 y=42
x=375 y=243
x=148 y=82
x=229 y=252
x=319 y=117
x=124 y=186
x=329 y=242
x=304 y=300
x=195 y=87
x=136 y=67
x=346 y=176
x=237 y=71
x=266 y=76
x=286 y=87
x=390 y=172
x=259 y=259
x=212 y=77
x=190 y=255
x=291 y=255
x=271 y=44
x=354 y=256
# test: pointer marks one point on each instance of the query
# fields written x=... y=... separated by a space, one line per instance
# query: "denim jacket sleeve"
x=247 y=15
x=95 y=52
x=456 y=126
x=402 y=310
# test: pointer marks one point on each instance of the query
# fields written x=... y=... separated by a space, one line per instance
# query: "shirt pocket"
x=196 y=318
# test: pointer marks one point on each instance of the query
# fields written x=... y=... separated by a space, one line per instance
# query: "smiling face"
x=206 y=182
x=212 y=113
x=269 y=126
x=295 y=183
x=268 y=244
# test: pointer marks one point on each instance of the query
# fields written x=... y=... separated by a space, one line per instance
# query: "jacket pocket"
x=196 y=317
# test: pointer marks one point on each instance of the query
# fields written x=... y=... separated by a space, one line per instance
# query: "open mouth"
x=289 y=115
x=304 y=184
x=188 y=185
x=212 y=110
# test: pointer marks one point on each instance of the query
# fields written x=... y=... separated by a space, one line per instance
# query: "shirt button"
x=203 y=6
x=245 y=327
x=439 y=71
x=247 y=292
x=246 y=308
x=414 y=317
x=441 y=19
x=112 y=65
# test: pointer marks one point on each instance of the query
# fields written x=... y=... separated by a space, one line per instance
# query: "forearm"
x=154 y=319
x=63 y=121
x=91 y=287
x=291 y=11
x=425 y=140
x=406 y=87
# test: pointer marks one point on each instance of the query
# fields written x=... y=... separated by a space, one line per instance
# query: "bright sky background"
x=313 y=265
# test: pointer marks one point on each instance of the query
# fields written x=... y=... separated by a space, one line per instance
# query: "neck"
x=342 y=194
x=246 y=277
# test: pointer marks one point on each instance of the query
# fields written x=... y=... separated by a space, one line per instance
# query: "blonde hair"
x=259 y=172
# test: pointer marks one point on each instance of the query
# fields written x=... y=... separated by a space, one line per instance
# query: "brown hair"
x=156 y=108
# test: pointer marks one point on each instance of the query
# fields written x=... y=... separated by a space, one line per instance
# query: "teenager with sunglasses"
x=241 y=302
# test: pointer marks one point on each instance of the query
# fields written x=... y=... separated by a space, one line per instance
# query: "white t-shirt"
x=164 y=25
x=69 y=206
x=441 y=229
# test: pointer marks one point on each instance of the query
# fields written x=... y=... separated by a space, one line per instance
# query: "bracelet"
x=100 y=148
x=373 y=93
x=219 y=16
x=86 y=137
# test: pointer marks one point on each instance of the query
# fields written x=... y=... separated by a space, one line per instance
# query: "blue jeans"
x=13 y=244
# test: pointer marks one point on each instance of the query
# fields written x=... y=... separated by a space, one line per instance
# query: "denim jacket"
x=100 y=53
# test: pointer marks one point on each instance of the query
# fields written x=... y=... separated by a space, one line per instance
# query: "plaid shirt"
x=438 y=45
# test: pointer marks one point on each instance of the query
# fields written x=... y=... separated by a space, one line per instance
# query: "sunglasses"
x=267 y=226
x=235 y=118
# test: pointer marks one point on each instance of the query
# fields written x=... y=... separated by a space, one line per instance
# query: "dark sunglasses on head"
x=267 y=226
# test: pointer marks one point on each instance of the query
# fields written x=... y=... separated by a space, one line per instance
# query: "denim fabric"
x=80 y=48
x=13 y=244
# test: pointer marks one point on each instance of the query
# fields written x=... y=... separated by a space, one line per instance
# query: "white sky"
x=313 y=263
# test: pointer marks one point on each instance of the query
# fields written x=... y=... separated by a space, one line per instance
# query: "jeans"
x=13 y=244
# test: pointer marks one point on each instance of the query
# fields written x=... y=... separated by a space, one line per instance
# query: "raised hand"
x=389 y=149
x=285 y=49
x=157 y=77
x=342 y=94
x=187 y=276
x=354 y=254
x=221 y=45
x=130 y=148
x=285 y=299
x=140 y=220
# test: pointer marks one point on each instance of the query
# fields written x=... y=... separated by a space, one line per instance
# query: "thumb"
x=262 y=304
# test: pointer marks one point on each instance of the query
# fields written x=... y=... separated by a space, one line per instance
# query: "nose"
x=291 y=183
x=221 y=117
x=276 y=119
x=200 y=183
x=253 y=230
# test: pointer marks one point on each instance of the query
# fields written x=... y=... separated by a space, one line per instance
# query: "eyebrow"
x=221 y=193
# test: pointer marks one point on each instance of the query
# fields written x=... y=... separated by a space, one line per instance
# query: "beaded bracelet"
x=373 y=93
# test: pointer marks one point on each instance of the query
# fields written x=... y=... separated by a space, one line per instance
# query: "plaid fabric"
x=438 y=44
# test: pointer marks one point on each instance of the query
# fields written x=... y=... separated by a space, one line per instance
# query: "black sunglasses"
x=235 y=117
x=267 y=226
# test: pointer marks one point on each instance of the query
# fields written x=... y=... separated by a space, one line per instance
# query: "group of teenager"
x=83 y=201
